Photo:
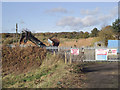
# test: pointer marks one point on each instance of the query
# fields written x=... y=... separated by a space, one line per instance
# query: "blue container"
x=114 y=44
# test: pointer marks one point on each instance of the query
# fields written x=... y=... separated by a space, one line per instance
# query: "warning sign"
x=75 y=51
x=101 y=54
x=112 y=51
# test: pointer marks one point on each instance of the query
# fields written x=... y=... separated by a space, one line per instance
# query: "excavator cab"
x=53 y=41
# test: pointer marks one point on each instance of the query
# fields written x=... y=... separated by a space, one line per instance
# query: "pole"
x=70 y=59
x=65 y=58
x=54 y=53
x=16 y=31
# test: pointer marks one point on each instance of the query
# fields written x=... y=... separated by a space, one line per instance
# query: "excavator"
x=27 y=35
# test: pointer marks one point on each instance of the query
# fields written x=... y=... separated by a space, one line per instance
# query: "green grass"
x=51 y=69
x=52 y=73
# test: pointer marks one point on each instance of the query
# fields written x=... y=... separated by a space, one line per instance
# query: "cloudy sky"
x=57 y=16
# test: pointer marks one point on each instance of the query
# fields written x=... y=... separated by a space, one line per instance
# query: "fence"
x=86 y=54
x=89 y=54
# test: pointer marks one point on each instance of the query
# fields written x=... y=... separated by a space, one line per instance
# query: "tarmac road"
x=101 y=75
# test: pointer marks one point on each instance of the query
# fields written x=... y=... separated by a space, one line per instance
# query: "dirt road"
x=101 y=75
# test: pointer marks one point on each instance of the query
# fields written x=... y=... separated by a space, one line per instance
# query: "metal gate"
x=88 y=55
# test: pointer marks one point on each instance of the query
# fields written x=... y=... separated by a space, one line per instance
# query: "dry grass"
x=77 y=42
x=18 y=60
x=52 y=73
x=41 y=77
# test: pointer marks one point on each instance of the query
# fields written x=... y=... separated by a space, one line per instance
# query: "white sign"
x=75 y=51
x=112 y=51
x=101 y=54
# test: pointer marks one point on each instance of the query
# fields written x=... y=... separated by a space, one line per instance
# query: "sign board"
x=101 y=54
x=112 y=51
x=75 y=51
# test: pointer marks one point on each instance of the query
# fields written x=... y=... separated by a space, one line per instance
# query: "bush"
x=106 y=34
x=8 y=41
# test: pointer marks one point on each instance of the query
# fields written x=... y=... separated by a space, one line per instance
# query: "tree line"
x=107 y=32
x=71 y=35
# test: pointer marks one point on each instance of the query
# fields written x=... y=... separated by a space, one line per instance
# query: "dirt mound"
x=28 y=43
x=19 y=60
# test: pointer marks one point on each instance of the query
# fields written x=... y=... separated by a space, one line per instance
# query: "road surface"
x=101 y=75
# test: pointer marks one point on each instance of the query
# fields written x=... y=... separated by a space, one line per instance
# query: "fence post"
x=54 y=53
x=70 y=59
x=65 y=58
x=58 y=49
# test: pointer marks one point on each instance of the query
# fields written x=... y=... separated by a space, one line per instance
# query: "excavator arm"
x=28 y=36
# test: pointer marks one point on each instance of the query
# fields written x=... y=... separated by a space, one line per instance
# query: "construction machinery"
x=27 y=35
x=53 y=41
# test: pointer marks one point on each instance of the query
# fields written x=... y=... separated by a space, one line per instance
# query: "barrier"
x=80 y=55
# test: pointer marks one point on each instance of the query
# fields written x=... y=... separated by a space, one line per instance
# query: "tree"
x=94 y=32
x=116 y=27
x=81 y=34
x=86 y=35
x=105 y=34
x=6 y=35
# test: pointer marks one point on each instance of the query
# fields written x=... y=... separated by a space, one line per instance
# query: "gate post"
x=70 y=59
x=65 y=58
x=54 y=53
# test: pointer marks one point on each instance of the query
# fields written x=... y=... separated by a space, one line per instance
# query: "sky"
x=57 y=16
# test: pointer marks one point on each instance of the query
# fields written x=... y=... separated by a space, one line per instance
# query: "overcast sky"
x=57 y=17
